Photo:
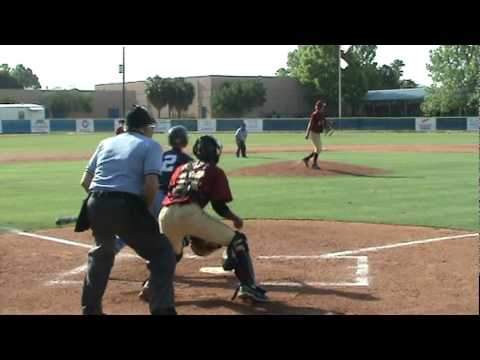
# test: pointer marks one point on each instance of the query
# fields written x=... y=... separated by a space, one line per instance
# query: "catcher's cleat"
x=252 y=293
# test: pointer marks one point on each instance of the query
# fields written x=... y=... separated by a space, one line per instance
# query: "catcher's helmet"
x=178 y=137
x=207 y=149
x=139 y=117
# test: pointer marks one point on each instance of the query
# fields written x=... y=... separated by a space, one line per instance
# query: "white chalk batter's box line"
x=361 y=272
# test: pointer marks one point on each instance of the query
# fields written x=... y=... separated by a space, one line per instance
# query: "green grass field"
x=432 y=189
x=74 y=143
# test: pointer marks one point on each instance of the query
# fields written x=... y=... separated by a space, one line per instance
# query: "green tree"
x=316 y=68
x=64 y=102
x=455 y=73
x=282 y=72
x=397 y=66
x=354 y=80
x=7 y=81
x=408 y=84
x=25 y=77
x=365 y=54
x=156 y=90
x=184 y=95
x=5 y=67
x=22 y=77
x=175 y=93
x=235 y=98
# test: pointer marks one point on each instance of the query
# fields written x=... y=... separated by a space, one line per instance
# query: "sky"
x=83 y=66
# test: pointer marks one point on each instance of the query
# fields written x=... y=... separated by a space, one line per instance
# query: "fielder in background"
x=122 y=181
x=191 y=188
x=316 y=125
x=121 y=128
x=241 y=140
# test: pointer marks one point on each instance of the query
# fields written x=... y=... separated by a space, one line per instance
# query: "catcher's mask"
x=178 y=136
x=207 y=149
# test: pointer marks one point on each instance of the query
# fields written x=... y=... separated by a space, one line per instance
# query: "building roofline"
x=233 y=76
x=201 y=76
x=410 y=94
x=48 y=90
x=406 y=89
x=120 y=83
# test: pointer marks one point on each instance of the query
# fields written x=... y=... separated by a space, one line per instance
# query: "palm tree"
x=185 y=94
x=156 y=91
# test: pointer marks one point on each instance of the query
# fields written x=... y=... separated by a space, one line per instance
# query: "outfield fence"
x=420 y=124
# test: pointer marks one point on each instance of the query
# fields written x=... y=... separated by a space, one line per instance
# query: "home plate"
x=214 y=270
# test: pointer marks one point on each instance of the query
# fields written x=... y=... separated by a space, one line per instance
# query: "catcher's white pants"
x=179 y=220
x=316 y=142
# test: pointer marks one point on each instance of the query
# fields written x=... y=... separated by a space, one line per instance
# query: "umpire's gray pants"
x=110 y=216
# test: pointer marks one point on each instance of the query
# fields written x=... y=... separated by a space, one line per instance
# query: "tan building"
x=284 y=96
x=105 y=104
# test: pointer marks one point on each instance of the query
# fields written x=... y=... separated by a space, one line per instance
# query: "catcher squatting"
x=120 y=211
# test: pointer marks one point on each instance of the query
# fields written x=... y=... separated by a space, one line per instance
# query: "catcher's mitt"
x=202 y=247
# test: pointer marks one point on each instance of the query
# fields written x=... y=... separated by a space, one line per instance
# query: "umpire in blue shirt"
x=121 y=180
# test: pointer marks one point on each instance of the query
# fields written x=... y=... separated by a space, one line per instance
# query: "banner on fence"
x=162 y=126
x=1 y=127
x=425 y=124
x=40 y=126
x=207 y=125
x=473 y=123
x=254 y=125
x=85 y=125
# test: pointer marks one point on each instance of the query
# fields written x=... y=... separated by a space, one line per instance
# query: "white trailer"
x=22 y=112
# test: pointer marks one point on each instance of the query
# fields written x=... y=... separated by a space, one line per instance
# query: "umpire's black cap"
x=139 y=117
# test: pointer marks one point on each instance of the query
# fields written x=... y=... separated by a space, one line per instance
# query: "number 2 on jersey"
x=169 y=162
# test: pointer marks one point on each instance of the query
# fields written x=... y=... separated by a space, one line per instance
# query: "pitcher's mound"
x=298 y=168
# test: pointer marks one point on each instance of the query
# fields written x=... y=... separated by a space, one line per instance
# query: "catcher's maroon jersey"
x=317 y=121
x=198 y=182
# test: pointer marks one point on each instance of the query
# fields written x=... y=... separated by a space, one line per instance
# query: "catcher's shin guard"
x=238 y=258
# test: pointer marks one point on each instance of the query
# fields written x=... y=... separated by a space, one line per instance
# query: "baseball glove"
x=202 y=247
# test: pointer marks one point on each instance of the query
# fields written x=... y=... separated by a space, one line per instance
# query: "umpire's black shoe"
x=251 y=292
x=92 y=311
x=168 y=311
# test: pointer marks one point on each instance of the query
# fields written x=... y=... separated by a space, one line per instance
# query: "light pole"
x=339 y=82
x=123 y=84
